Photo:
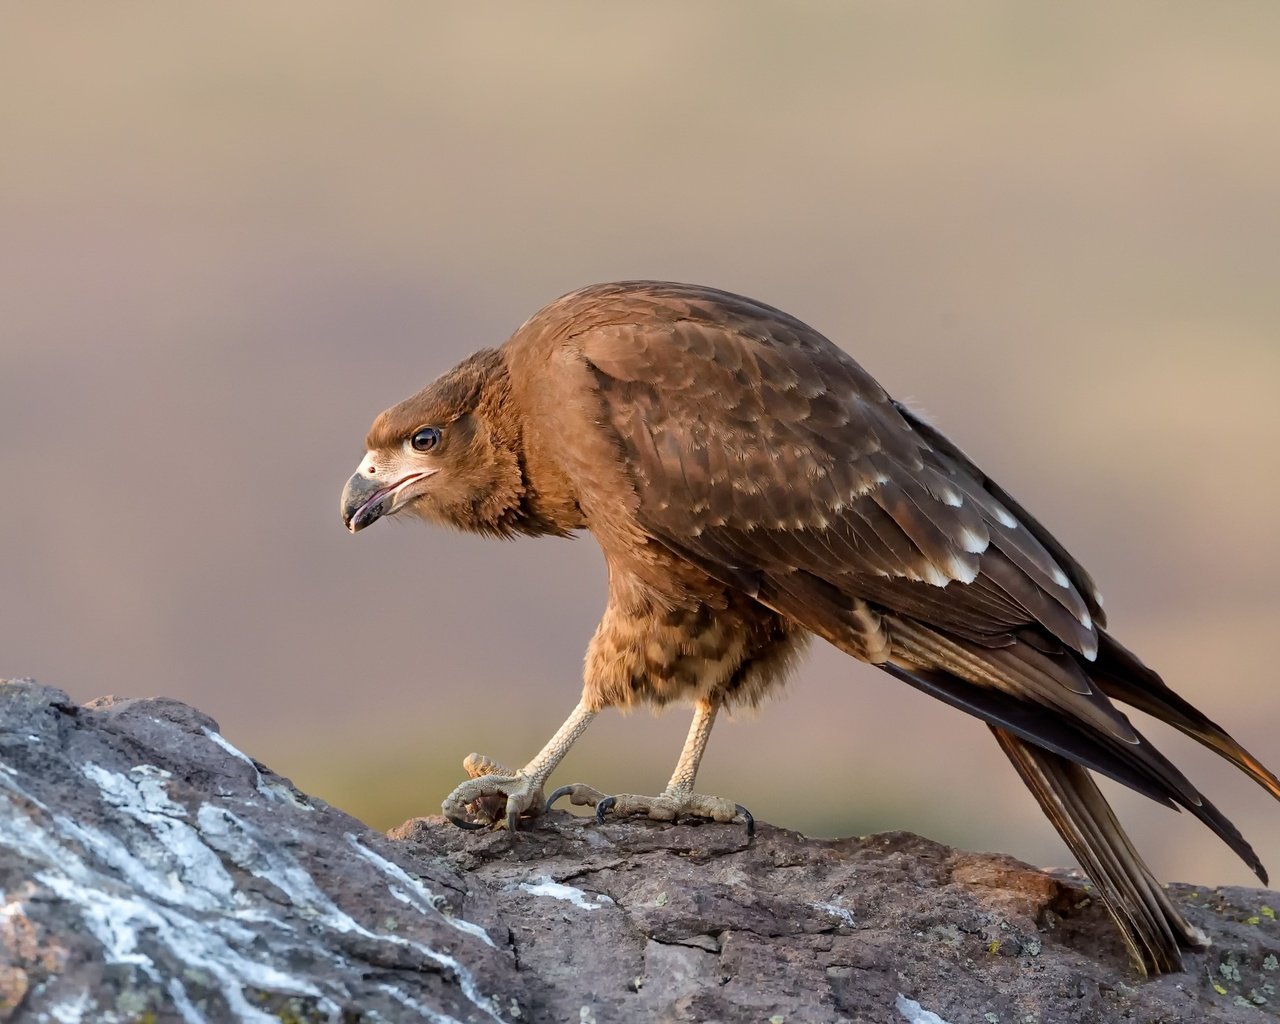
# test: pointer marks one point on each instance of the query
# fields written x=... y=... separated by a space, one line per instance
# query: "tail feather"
x=1052 y=713
x=1152 y=927
x=1122 y=676
x=1138 y=765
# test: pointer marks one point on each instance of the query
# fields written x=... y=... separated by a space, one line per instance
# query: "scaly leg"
x=522 y=789
x=678 y=798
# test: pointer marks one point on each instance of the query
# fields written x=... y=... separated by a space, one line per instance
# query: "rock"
x=149 y=871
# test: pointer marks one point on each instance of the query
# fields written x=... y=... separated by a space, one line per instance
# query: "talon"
x=579 y=795
x=513 y=819
x=603 y=808
x=470 y=826
x=562 y=791
x=751 y=822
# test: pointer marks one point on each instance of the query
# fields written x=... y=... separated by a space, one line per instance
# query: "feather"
x=1138 y=766
x=1151 y=926
x=1122 y=676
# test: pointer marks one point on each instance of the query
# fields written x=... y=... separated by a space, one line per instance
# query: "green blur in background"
x=232 y=233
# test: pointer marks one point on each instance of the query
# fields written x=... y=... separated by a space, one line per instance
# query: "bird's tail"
x=1052 y=714
x=1122 y=676
x=1152 y=927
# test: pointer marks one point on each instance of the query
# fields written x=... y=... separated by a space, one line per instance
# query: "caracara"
x=751 y=485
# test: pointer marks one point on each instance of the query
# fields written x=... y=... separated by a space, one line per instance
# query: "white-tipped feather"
x=935 y=576
x=1006 y=519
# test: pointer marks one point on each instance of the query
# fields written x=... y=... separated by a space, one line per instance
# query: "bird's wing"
x=765 y=455
x=757 y=447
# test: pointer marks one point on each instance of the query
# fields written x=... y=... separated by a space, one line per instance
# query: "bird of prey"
x=751 y=485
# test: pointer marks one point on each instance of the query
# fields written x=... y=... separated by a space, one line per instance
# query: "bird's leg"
x=496 y=792
x=678 y=798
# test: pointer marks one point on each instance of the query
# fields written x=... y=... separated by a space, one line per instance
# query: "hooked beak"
x=366 y=500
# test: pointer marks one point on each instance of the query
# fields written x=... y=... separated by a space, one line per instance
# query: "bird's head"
x=449 y=454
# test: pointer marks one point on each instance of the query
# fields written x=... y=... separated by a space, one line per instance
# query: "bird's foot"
x=670 y=805
x=493 y=794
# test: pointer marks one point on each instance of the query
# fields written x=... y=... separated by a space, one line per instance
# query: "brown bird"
x=751 y=485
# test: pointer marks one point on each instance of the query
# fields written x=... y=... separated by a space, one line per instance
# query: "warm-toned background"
x=231 y=233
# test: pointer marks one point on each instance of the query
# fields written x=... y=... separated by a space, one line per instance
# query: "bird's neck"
x=549 y=503
x=536 y=499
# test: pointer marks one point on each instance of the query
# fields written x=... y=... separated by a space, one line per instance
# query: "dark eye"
x=425 y=439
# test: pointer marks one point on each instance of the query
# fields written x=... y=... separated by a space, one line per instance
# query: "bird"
x=751 y=487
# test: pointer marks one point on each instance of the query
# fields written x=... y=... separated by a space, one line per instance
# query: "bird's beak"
x=366 y=499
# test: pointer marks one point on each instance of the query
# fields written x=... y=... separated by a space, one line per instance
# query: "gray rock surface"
x=151 y=872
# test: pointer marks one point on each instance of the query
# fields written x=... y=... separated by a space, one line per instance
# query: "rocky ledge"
x=151 y=872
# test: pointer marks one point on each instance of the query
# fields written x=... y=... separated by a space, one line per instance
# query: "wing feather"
x=753 y=438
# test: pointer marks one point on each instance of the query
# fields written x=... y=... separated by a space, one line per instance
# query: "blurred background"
x=231 y=233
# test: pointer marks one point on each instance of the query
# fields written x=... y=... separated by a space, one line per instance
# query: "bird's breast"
x=646 y=654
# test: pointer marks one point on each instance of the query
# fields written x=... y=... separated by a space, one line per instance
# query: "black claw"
x=562 y=791
x=603 y=808
x=470 y=826
x=513 y=821
x=751 y=822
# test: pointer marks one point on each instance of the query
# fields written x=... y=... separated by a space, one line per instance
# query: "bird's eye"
x=425 y=439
